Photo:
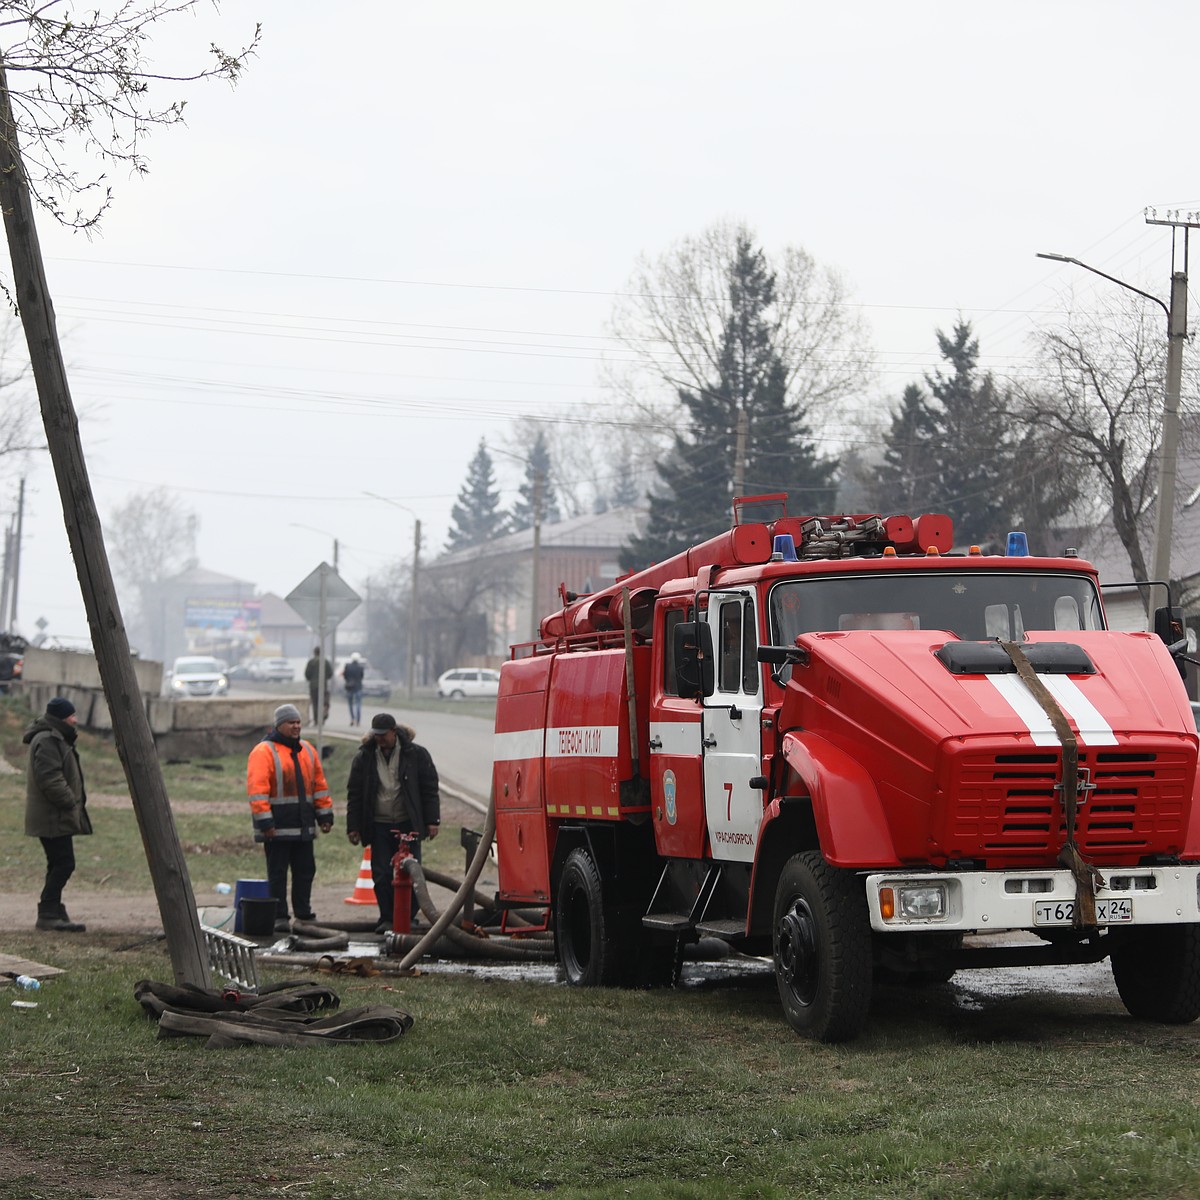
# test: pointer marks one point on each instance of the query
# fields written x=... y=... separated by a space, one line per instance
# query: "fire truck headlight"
x=924 y=903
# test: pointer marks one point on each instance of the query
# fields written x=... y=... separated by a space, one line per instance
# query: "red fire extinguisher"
x=402 y=885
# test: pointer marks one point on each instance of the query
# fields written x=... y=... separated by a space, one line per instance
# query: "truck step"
x=667 y=922
x=721 y=929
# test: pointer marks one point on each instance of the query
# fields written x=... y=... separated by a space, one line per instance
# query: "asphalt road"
x=461 y=745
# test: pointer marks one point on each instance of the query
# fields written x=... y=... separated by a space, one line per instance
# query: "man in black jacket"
x=55 y=806
x=352 y=675
x=393 y=790
x=317 y=666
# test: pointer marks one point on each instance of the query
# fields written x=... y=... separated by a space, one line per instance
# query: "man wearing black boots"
x=392 y=790
x=55 y=806
x=289 y=802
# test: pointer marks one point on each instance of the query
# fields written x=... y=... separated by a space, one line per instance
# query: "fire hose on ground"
x=445 y=938
x=503 y=948
x=446 y=918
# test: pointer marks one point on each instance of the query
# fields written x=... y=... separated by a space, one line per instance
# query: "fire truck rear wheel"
x=586 y=927
x=822 y=944
x=1157 y=973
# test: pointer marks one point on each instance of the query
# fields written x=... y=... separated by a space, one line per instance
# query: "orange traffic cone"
x=364 y=886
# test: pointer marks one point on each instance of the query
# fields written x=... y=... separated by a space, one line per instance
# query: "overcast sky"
x=405 y=227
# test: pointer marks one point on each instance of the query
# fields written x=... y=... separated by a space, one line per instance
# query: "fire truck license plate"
x=1062 y=912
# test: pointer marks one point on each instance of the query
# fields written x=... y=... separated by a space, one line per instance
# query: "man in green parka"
x=55 y=806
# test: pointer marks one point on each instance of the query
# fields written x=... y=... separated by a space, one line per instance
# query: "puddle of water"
x=507 y=972
x=1082 y=979
x=970 y=990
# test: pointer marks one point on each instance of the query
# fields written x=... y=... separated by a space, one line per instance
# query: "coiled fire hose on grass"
x=444 y=935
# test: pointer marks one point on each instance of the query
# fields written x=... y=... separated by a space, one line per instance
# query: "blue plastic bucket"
x=248 y=889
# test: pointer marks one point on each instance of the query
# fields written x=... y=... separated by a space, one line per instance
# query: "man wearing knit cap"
x=55 y=806
x=289 y=801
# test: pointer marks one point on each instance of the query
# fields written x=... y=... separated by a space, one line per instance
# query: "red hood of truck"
x=1135 y=690
x=967 y=764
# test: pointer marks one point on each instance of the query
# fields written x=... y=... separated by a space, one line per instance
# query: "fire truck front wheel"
x=822 y=944
x=1157 y=973
x=585 y=925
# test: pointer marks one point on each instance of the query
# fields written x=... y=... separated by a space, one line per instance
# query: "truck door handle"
x=656 y=743
x=710 y=740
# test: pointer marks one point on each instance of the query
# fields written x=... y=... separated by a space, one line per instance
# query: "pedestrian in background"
x=393 y=790
x=55 y=806
x=352 y=677
x=289 y=801
x=317 y=666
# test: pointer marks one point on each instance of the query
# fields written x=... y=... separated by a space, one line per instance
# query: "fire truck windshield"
x=974 y=605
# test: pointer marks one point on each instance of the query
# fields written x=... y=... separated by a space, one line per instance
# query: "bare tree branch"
x=1100 y=397
x=84 y=84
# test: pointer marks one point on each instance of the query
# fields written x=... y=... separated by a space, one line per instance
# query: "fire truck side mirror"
x=1168 y=625
x=695 y=672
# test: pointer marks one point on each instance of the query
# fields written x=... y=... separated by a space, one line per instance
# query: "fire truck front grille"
x=1006 y=808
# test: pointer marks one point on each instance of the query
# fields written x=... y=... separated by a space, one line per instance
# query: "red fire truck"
x=836 y=742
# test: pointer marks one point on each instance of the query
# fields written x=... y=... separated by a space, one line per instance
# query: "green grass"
x=508 y=1088
x=212 y=817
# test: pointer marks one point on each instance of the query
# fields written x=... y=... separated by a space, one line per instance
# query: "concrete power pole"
x=535 y=583
x=14 y=574
x=1164 y=513
x=739 y=455
x=4 y=585
x=412 y=614
x=131 y=727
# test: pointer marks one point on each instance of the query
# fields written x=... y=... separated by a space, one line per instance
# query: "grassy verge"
x=508 y=1088
x=208 y=798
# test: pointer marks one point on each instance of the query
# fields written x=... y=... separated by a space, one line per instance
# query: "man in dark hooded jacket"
x=55 y=806
x=393 y=790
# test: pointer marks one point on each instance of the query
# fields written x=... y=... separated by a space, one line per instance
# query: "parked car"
x=468 y=683
x=375 y=683
x=272 y=670
x=196 y=676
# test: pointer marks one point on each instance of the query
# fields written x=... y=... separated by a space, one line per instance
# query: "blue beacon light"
x=783 y=548
x=1018 y=545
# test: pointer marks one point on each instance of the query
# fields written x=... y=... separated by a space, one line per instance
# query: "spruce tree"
x=911 y=450
x=537 y=480
x=476 y=514
x=972 y=461
x=699 y=478
x=954 y=450
x=624 y=492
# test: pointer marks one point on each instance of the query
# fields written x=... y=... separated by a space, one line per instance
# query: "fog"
x=406 y=226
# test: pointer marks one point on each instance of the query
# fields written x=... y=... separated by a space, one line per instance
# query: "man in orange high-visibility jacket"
x=289 y=801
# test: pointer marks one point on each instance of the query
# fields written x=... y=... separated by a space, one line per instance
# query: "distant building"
x=222 y=610
x=476 y=602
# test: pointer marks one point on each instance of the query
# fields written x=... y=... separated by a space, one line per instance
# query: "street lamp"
x=1164 y=515
x=416 y=575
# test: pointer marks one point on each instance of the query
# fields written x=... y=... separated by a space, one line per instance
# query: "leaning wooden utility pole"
x=135 y=742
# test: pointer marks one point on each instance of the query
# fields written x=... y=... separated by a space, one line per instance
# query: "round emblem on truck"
x=669 y=795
